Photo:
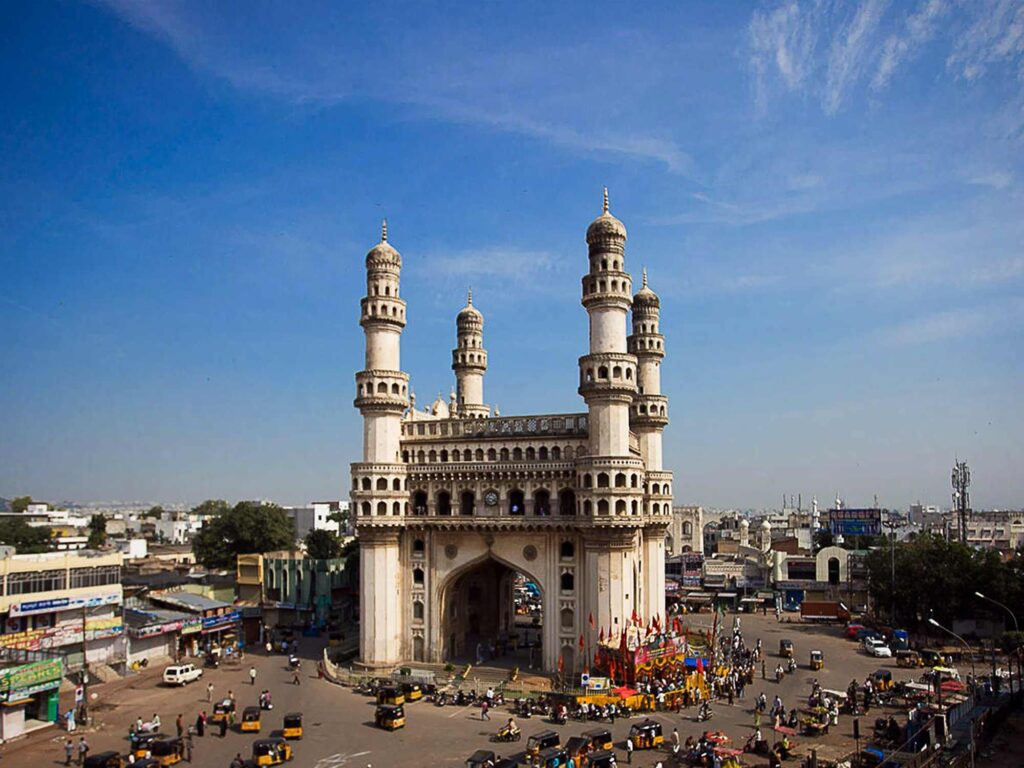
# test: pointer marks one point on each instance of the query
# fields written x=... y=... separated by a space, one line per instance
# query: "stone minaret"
x=469 y=361
x=379 y=492
x=611 y=477
x=650 y=409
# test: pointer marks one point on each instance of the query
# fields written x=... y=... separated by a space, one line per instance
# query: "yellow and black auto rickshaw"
x=391 y=694
x=292 y=726
x=786 y=649
x=250 y=720
x=552 y=757
x=541 y=741
x=223 y=710
x=578 y=747
x=646 y=735
x=412 y=691
x=482 y=758
x=882 y=679
x=390 y=717
x=140 y=742
x=908 y=659
x=271 y=751
x=104 y=760
x=167 y=751
x=603 y=759
x=932 y=658
x=817 y=660
x=599 y=738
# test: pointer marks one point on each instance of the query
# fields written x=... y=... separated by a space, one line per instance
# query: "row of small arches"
x=471 y=358
x=621 y=480
x=600 y=286
x=515 y=502
x=387 y=290
x=381 y=388
x=516 y=506
x=566 y=550
x=655 y=410
x=555 y=453
x=382 y=310
x=602 y=373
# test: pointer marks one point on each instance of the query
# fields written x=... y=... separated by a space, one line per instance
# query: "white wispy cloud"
x=953 y=324
x=919 y=28
x=993 y=179
x=498 y=262
x=782 y=42
x=848 y=55
x=995 y=36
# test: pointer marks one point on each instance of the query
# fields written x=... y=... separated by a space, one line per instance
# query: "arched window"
x=417 y=576
x=382 y=508
x=542 y=454
x=588 y=507
x=516 y=502
x=382 y=388
x=418 y=548
x=542 y=502
x=567 y=551
x=588 y=481
x=419 y=503
x=396 y=484
x=444 y=503
x=632 y=481
x=833 y=570
x=633 y=507
x=366 y=484
x=531 y=454
x=479 y=454
x=687 y=528
x=444 y=455
x=432 y=456
x=504 y=454
x=466 y=503
x=394 y=389
x=617 y=372
x=556 y=453
x=382 y=483
x=567 y=582
x=417 y=610
x=421 y=457
x=396 y=508
x=620 y=507
x=602 y=507
x=492 y=455
x=602 y=372
x=567 y=617
x=602 y=480
x=517 y=454
x=467 y=455
x=566 y=502
x=620 y=480
x=365 y=508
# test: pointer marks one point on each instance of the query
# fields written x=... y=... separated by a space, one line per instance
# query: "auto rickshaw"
x=271 y=751
x=292 y=726
x=223 y=710
x=167 y=751
x=482 y=758
x=391 y=694
x=541 y=741
x=553 y=757
x=817 y=660
x=146 y=762
x=603 y=759
x=104 y=760
x=786 y=649
x=412 y=691
x=599 y=738
x=250 y=720
x=577 y=748
x=882 y=679
x=646 y=735
x=141 y=741
x=908 y=659
x=390 y=717
x=932 y=658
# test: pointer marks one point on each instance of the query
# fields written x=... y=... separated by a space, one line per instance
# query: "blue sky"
x=827 y=197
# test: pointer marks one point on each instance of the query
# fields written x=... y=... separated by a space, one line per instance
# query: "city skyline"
x=826 y=197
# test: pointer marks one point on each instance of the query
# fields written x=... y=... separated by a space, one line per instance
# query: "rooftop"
x=189 y=601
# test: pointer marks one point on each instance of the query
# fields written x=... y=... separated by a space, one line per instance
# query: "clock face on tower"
x=490 y=498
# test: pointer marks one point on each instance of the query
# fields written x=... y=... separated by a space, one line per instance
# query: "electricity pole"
x=892 y=525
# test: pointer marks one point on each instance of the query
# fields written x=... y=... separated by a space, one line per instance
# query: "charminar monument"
x=451 y=502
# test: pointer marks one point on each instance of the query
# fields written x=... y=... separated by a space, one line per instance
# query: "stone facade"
x=451 y=501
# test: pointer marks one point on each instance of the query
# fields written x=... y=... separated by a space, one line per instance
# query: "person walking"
x=223 y=727
x=484 y=706
x=252 y=675
x=179 y=725
x=83 y=750
x=200 y=723
x=629 y=750
x=69 y=751
x=69 y=717
x=296 y=677
x=209 y=692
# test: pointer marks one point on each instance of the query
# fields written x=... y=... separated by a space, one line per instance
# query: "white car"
x=182 y=674
x=877 y=648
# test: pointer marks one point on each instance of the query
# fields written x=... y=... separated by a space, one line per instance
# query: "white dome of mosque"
x=645 y=296
x=383 y=254
x=605 y=225
x=469 y=312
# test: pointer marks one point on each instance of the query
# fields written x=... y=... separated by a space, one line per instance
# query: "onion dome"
x=383 y=254
x=605 y=226
x=645 y=296
x=469 y=312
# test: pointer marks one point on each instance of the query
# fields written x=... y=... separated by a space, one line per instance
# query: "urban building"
x=316 y=517
x=29 y=696
x=158 y=635
x=65 y=602
x=686 y=532
x=452 y=502
x=219 y=622
x=1001 y=530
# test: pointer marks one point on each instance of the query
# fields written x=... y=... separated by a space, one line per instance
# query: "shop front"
x=28 y=697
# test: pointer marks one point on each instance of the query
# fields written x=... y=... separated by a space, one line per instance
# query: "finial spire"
x=606 y=200
x=469 y=297
x=384 y=230
x=645 y=276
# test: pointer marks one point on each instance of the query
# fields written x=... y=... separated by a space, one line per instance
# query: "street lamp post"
x=892 y=525
x=1016 y=628
x=934 y=623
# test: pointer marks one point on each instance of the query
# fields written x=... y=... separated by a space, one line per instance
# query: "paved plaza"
x=339 y=730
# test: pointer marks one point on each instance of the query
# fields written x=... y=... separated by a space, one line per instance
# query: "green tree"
x=211 y=507
x=97 y=531
x=25 y=538
x=248 y=527
x=823 y=538
x=156 y=512
x=323 y=545
x=20 y=504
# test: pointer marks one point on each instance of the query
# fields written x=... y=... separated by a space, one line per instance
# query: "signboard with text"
x=64 y=604
x=855 y=522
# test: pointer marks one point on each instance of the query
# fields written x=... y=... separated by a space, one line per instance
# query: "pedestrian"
x=629 y=750
x=238 y=762
x=83 y=749
x=296 y=678
x=69 y=751
x=70 y=719
x=200 y=723
x=223 y=727
x=252 y=675
x=209 y=692
x=231 y=695
x=270 y=647
x=483 y=710
x=764 y=670
x=179 y=725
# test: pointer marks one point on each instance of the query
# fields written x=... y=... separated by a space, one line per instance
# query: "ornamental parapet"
x=382 y=310
x=382 y=390
x=649 y=411
x=497 y=427
x=609 y=288
x=607 y=375
x=646 y=344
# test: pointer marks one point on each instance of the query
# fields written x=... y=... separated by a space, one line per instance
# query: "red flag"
x=590 y=620
x=600 y=637
x=581 y=641
x=700 y=664
x=657 y=624
x=635 y=619
x=622 y=643
x=561 y=664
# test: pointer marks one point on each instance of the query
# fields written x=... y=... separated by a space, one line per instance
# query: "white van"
x=182 y=674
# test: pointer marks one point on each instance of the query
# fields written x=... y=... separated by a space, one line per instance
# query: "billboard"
x=855 y=522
